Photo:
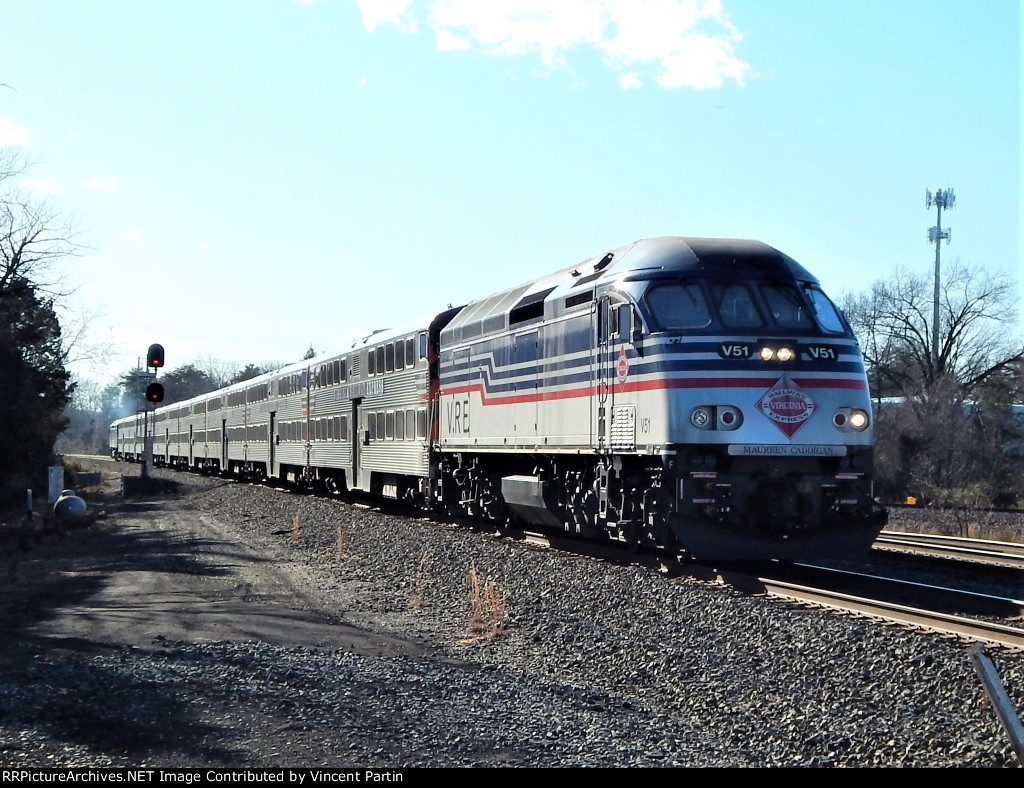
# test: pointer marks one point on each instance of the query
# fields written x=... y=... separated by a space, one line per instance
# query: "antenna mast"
x=943 y=198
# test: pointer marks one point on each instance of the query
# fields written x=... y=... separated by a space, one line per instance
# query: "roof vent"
x=604 y=261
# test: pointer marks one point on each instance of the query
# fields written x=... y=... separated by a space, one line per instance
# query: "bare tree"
x=34 y=238
x=33 y=235
x=220 y=372
x=977 y=312
x=948 y=436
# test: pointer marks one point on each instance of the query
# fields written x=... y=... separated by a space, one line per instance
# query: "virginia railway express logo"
x=787 y=405
x=623 y=366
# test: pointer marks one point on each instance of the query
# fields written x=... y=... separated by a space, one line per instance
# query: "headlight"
x=851 y=419
x=729 y=418
x=716 y=417
x=781 y=353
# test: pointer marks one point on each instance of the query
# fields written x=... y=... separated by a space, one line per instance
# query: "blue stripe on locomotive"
x=659 y=358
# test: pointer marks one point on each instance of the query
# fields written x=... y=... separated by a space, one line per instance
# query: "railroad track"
x=949 y=611
x=957 y=548
x=964 y=627
x=812 y=589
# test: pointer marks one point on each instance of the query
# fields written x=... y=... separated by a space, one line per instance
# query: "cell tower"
x=943 y=198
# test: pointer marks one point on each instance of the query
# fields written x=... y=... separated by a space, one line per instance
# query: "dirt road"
x=146 y=571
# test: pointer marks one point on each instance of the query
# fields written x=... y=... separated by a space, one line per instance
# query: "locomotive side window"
x=826 y=312
x=399 y=355
x=787 y=307
x=679 y=306
x=371 y=367
x=399 y=425
x=735 y=306
x=410 y=352
x=380 y=359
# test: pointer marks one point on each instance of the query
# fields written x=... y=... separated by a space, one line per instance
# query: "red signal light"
x=155 y=356
x=154 y=393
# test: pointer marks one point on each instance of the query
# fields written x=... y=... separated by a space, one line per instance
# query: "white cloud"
x=679 y=43
x=135 y=236
x=390 y=12
x=45 y=185
x=12 y=134
x=100 y=184
x=449 y=42
x=630 y=81
x=204 y=246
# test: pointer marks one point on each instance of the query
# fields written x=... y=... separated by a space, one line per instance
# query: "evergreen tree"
x=34 y=387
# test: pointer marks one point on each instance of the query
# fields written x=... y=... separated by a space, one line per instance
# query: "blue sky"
x=257 y=176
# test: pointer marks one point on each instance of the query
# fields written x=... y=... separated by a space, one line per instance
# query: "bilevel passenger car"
x=702 y=395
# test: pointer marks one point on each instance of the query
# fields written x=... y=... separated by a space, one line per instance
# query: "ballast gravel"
x=511 y=656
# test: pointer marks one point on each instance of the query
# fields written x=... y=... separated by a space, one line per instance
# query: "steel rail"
x=970 y=629
x=955 y=547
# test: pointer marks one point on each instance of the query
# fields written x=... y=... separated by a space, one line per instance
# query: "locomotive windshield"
x=679 y=306
x=740 y=305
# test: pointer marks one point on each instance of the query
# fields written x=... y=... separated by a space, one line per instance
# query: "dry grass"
x=488 y=607
x=419 y=580
x=296 y=532
x=339 y=544
x=976 y=523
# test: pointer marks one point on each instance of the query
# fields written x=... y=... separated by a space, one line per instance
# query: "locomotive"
x=700 y=395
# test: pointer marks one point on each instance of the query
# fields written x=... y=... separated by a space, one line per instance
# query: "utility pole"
x=943 y=198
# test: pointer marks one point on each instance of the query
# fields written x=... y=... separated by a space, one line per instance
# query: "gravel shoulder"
x=220 y=624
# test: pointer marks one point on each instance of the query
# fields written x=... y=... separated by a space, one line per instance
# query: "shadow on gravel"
x=67 y=679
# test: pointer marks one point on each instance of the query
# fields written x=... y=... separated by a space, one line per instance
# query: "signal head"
x=155 y=356
x=154 y=392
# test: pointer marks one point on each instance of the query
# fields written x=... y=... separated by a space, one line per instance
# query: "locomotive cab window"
x=825 y=311
x=735 y=306
x=787 y=306
x=678 y=306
